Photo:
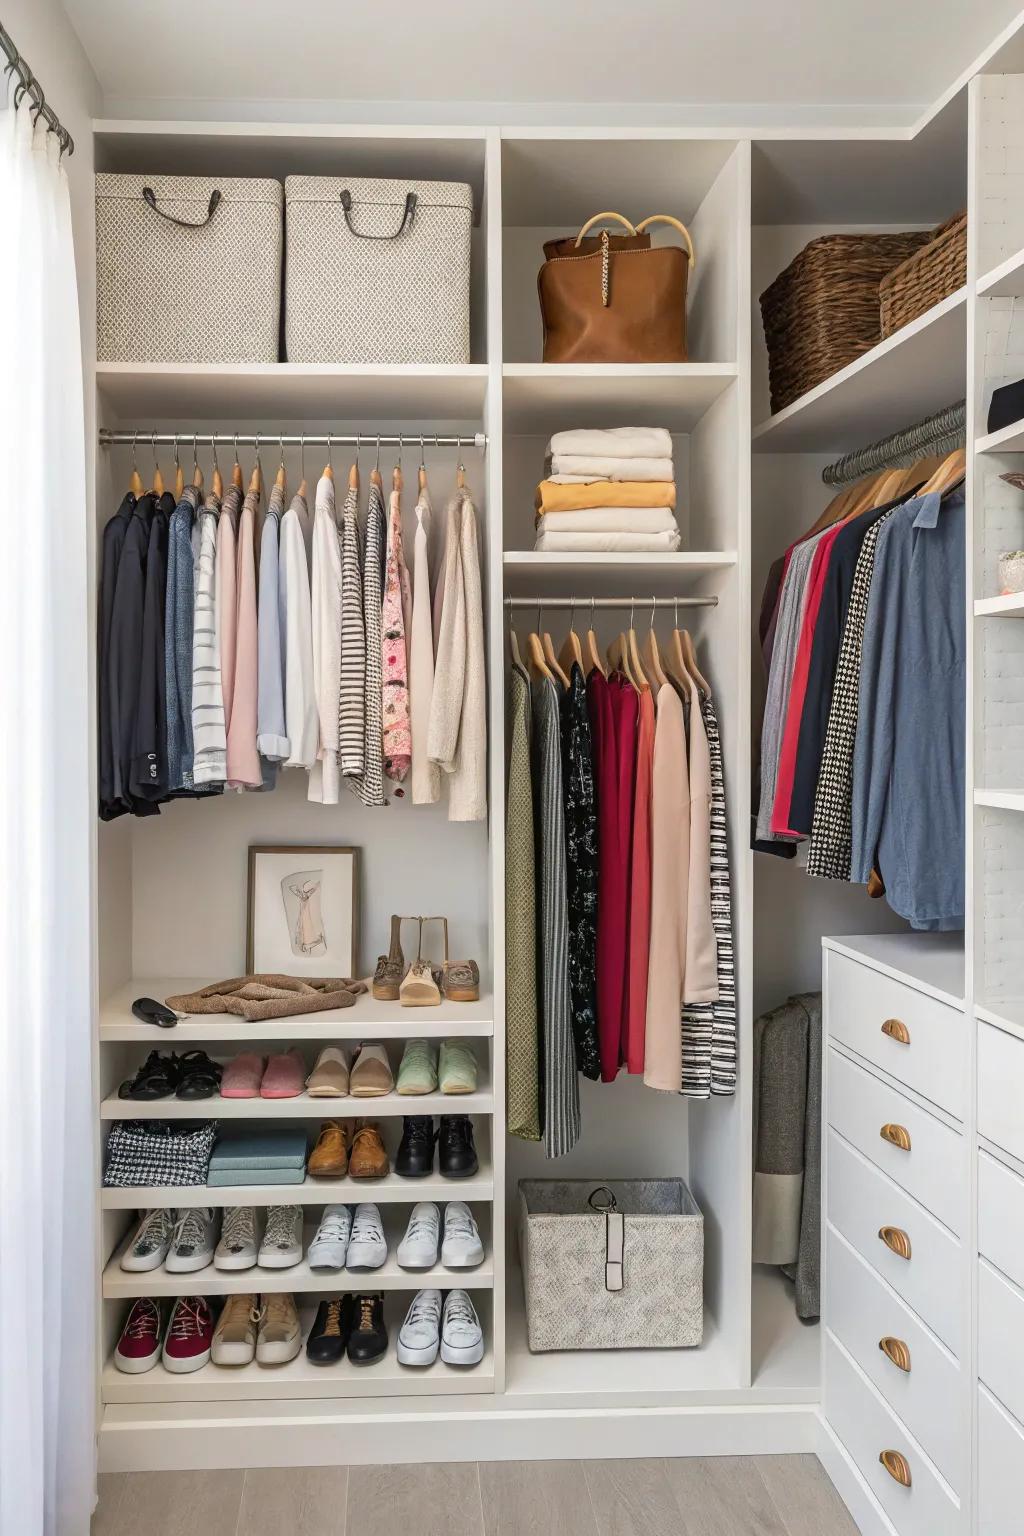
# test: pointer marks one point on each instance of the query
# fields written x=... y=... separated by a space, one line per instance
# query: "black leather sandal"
x=199 y=1076
x=157 y=1078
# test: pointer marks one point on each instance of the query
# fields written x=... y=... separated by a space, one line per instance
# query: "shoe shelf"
x=123 y=1285
x=390 y=1191
x=303 y=1107
x=366 y=1020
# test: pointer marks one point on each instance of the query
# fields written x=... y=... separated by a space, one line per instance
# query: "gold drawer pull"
x=898 y=1135
x=896 y=1239
x=897 y=1466
x=896 y=1030
x=896 y=1351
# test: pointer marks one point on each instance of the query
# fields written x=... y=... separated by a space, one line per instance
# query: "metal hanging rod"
x=27 y=83
x=141 y=436
x=939 y=433
x=633 y=601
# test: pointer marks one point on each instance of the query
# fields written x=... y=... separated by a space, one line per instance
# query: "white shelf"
x=999 y=799
x=1005 y=281
x=337 y=392
x=390 y=1191
x=543 y=571
x=1005 y=1013
x=303 y=1106
x=367 y=1019
x=1010 y=606
x=916 y=371
x=1009 y=439
x=550 y=397
x=934 y=960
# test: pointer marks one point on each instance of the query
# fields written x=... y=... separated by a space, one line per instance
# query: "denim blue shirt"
x=178 y=611
x=908 y=770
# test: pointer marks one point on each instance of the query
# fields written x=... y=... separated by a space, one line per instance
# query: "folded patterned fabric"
x=555 y=496
x=609 y=520
x=614 y=442
x=566 y=468
x=637 y=543
x=268 y=996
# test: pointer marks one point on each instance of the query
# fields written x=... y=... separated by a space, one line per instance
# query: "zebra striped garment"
x=209 y=737
x=353 y=643
x=369 y=786
x=709 y=1029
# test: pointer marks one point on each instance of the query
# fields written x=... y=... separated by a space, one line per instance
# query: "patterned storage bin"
x=188 y=269
x=611 y=1266
x=377 y=271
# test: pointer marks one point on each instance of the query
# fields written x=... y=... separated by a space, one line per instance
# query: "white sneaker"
x=280 y=1332
x=282 y=1241
x=419 y=1336
x=418 y=1248
x=462 y=1338
x=329 y=1247
x=238 y=1238
x=195 y=1238
x=234 y=1338
x=462 y=1248
x=151 y=1243
x=368 y=1248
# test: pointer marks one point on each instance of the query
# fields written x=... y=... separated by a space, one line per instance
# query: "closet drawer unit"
x=914 y=1038
x=1001 y=1217
x=1000 y=1459
x=869 y=1429
x=862 y=1204
x=924 y=1156
x=918 y=1378
x=1001 y=1339
x=1001 y=1088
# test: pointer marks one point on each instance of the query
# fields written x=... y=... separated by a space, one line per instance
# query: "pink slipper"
x=241 y=1079
x=285 y=1076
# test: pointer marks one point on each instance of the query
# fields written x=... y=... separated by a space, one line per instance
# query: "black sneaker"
x=368 y=1340
x=458 y=1159
x=415 y=1156
x=331 y=1331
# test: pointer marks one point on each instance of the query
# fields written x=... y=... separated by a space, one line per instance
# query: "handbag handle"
x=597 y=219
x=149 y=196
x=666 y=218
x=360 y=234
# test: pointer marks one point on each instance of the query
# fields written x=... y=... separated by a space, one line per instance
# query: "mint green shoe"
x=458 y=1067
x=418 y=1071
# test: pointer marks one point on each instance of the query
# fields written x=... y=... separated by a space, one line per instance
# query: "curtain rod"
x=135 y=436
x=28 y=83
x=942 y=431
x=610 y=602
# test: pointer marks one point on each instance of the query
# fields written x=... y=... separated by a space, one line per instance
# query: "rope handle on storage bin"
x=614 y=1235
x=215 y=196
x=407 y=217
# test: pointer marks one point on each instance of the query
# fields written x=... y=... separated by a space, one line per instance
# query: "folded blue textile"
x=224 y=1176
x=260 y=1149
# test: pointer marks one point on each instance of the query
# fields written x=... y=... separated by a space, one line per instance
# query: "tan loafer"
x=329 y=1078
x=368 y=1158
x=329 y=1158
x=371 y=1074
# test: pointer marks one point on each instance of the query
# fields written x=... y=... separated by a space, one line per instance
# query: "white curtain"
x=47 y=1143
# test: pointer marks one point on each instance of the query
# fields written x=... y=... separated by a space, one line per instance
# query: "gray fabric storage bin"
x=377 y=271
x=206 y=290
x=564 y=1250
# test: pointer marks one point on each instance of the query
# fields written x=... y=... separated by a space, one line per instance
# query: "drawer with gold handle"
x=897 y=1466
x=896 y=1030
x=897 y=1352
x=897 y=1240
x=898 y=1135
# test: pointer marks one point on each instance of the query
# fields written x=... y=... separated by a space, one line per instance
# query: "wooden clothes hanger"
x=690 y=656
x=158 y=479
x=217 y=480
x=197 y=474
x=279 y=478
x=536 y=660
x=949 y=473
x=303 y=483
x=421 y=482
x=179 y=474
x=460 y=470
x=375 y=478
x=675 y=657
x=572 y=651
x=652 y=655
x=594 y=661
x=236 y=468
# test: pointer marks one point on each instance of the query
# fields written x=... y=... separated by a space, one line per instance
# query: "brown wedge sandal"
x=460 y=979
x=387 y=978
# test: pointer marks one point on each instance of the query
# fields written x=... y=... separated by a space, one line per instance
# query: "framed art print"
x=302 y=911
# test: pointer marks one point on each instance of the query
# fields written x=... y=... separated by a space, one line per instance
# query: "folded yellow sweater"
x=604 y=493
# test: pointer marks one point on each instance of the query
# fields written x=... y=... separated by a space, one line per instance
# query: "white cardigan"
x=325 y=778
x=457 y=735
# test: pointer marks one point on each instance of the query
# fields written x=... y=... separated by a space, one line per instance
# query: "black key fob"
x=151 y=1012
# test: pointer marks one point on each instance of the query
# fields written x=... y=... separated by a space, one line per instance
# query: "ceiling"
x=894 y=57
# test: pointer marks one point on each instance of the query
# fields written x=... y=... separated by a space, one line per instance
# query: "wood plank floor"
x=719 y=1496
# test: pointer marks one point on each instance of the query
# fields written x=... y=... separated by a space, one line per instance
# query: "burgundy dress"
x=613 y=705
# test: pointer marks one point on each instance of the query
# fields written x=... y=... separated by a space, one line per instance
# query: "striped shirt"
x=353 y=643
x=209 y=738
x=370 y=785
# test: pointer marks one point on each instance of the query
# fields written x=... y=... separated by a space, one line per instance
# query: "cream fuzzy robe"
x=457 y=734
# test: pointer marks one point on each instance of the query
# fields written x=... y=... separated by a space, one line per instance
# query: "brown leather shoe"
x=329 y=1158
x=368 y=1158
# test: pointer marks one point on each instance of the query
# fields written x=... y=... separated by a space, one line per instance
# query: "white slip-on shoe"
x=282 y=1241
x=418 y=1248
x=239 y=1238
x=234 y=1338
x=462 y=1338
x=330 y=1245
x=194 y=1240
x=419 y=1335
x=151 y=1243
x=280 y=1336
x=368 y=1248
x=462 y=1247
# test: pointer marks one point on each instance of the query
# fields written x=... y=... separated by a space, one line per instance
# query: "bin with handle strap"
x=188 y=269
x=377 y=271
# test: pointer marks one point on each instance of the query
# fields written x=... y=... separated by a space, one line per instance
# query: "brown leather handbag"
x=615 y=298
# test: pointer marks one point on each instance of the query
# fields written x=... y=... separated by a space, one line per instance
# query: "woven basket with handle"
x=821 y=313
x=927 y=277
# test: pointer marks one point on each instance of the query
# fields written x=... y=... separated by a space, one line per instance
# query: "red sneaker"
x=138 y=1348
x=189 y=1335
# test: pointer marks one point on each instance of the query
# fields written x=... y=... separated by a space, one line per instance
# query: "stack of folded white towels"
x=608 y=490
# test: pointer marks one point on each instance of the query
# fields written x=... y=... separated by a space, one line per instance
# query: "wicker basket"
x=926 y=278
x=822 y=312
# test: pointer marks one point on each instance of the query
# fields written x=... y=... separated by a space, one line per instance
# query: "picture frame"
x=302 y=910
